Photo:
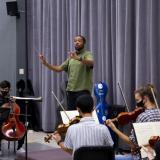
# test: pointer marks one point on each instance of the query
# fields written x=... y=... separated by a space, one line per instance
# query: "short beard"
x=79 y=49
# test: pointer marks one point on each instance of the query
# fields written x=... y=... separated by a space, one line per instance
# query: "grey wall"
x=21 y=41
x=7 y=46
x=12 y=45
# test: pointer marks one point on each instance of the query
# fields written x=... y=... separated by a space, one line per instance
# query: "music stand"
x=27 y=100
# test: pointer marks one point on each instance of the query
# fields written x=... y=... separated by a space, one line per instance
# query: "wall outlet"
x=21 y=71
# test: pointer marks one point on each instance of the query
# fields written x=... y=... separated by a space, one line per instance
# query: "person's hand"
x=56 y=136
x=109 y=123
x=12 y=99
x=73 y=55
x=43 y=59
x=135 y=149
x=150 y=152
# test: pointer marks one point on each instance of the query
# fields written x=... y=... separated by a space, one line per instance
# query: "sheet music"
x=75 y=113
x=28 y=98
x=144 y=131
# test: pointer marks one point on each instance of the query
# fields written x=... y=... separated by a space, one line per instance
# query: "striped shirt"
x=149 y=115
x=87 y=133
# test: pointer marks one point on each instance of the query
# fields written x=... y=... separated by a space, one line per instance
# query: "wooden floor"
x=35 y=142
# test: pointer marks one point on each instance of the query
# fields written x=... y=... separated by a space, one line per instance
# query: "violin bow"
x=154 y=97
x=124 y=99
x=61 y=106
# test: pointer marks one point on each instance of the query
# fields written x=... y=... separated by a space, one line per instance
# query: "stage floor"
x=35 y=144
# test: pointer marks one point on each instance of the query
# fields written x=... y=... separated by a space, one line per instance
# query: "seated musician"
x=86 y=132
x=143 y=98
x=4 y=97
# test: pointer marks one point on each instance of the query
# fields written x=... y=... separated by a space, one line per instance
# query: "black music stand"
x=27 y=100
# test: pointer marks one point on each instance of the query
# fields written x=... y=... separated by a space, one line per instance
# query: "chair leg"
x=14 y=146
x=8 y=145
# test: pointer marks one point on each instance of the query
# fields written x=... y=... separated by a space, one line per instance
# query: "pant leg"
x=124 y=157
x=72 y=97
x=71 y=100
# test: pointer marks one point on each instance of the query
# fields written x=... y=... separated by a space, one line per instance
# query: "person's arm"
x=88 y=62
x=59 y=141
x=119 y=133
x=61 y=144
x=56 y=68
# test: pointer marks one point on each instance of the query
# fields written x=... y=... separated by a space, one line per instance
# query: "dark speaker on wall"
x=12 y=8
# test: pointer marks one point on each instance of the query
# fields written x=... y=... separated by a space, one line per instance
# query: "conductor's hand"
x=73 y=55
x=42 y=59
x=110 y=124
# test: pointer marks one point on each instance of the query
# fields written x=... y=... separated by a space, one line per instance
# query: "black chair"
x=157 y=150
x=94 y=153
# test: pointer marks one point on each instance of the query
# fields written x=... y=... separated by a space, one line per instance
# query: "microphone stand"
x=26 y=126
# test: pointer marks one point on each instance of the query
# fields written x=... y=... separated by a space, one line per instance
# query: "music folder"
x=143 y=132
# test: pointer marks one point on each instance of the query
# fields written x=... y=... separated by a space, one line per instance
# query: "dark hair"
x=83 y=38
x=85 y=103
x=139 y=91
x=5 y=84
x=146 y=91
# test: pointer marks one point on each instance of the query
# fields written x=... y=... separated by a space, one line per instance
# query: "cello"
x=13 y=129
x=100 y=91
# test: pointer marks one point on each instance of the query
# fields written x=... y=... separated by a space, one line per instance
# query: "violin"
x=13 y=129
x=124 y=118
x=62 y=128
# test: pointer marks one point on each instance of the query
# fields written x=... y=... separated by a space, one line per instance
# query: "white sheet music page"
x=143 y=132
x=74 y=113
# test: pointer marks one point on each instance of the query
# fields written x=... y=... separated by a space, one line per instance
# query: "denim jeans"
x=124 y=157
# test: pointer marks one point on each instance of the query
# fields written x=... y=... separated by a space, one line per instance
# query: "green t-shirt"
x=79 y=74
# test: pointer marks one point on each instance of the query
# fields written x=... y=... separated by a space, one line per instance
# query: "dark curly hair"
x=5 y=84
x=85 y=103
